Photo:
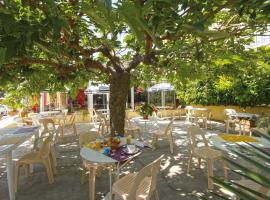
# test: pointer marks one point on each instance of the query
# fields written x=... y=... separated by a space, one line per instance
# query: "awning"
x=161 y=87
x=97 y=89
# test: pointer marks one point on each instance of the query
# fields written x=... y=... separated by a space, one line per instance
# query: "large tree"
x=71 y=39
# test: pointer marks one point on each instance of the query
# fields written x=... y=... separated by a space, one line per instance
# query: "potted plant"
x=146 y=109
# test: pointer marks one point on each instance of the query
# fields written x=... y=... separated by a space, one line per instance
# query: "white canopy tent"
x=163 y=87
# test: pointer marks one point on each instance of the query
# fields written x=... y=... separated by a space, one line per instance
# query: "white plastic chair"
x=164 y=134
x=204 y=152
x=139 y=185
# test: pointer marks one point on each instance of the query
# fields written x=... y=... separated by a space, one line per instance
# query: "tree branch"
x=137 y=59
x=115 y=61
x=61 y=68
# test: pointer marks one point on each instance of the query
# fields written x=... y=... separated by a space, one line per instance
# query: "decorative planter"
x=252 y=123
x=145 y=117
x=12 y=113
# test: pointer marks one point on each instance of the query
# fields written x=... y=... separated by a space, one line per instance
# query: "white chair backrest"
x=85 y=138
x=169 y=127
x=73 y=118
x=188 y=109
x=150 y=171
x=44 y=150
x=65 y=112
x=196 y=136
x=228 y=113
x=47 y=126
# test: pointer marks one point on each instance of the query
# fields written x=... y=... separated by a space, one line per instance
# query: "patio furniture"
x=43 y=156
x=164 y=134
x=243 y=119
x=47 y=129
x=10 y=139
x=204 y=152
x=71 y=123
x=138 y=185
x=202 y=114
x=233 y=142
x=93 y=115
x=104 y=124
x=189 y=114
x=230 y=119
x=95 y=159
x=132 y=129
x=84 y=139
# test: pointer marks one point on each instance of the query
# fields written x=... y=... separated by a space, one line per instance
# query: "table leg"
x=10 y=176
x=92 y=177
x=110 y=174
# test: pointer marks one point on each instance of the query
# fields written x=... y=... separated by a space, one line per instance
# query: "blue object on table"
x=107 y=151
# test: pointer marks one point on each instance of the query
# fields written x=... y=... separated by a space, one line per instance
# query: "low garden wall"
x=217 y=111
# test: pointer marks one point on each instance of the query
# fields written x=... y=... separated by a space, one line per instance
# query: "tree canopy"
x=53 y=43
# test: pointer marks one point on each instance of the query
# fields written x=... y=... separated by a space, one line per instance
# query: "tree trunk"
x=119 y=87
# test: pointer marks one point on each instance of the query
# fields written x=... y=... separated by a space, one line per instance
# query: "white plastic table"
x=10 y=139
x=150 y=121
x=242 y=117
x=97 y=158
x=218 y=142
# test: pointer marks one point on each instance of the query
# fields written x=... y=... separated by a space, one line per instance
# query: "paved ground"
x=173 y=182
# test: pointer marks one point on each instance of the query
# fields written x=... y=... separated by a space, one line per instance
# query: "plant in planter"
x=146 y=109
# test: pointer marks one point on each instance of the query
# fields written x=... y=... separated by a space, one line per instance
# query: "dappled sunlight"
x=173 y=173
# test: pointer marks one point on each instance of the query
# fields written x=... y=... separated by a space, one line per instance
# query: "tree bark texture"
x=119 y=87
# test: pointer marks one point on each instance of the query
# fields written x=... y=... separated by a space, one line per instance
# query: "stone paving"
x=173 y=182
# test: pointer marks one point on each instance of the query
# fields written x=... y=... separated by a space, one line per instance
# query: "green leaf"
x=260 y=179
x=2 y=54
x=239 y=193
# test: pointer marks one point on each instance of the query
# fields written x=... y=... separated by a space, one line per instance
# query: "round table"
x=139 y=120
x=97 y=158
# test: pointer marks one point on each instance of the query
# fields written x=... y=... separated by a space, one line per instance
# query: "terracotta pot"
x=12 y=113
x=145 y=117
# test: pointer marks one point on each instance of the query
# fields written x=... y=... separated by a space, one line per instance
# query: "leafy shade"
x=257 y=172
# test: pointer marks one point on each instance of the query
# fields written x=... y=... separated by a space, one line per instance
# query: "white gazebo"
x=163 y=88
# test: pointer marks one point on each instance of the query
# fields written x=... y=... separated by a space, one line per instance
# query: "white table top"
x=97 y=157
x=243 y=115
x=10 y=138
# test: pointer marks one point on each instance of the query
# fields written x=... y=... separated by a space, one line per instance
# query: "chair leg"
x=112 y=196
x=156 y=195
x=53 y=161
x=62 y=130
x=227 y=127
x=154 y=142
x=199 y=163
x=26 y=170
x=171 y=143
x=17 y=176
x=210 y=173
x=83 y=176
x=225 y=169
x=49 y=171
x=74 y=129
x=189 y=164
